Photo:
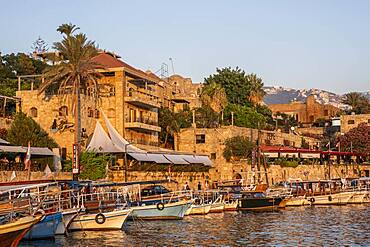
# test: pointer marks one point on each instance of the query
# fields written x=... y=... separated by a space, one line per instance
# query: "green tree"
x=238 y=147
x=24 y=129
x=244 y=116
x=73 y=69
x=359 y=103
x=206 y=117
x=93 y=165
x=240 y=88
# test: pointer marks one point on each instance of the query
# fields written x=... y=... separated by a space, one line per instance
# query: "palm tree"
x=358 y=102
x=73 y=71
x=256 y=93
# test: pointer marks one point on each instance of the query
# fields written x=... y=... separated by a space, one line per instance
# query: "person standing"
x=199 y=186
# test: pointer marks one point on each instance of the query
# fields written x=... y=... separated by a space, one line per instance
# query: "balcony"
x=143 y=125
x=142 y=100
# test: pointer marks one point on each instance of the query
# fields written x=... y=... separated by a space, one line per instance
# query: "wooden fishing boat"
x=162 y=211
x=296 y=201
x=217 y=206
x=255 y=201
x=12 y=232
x=45 y=228
x=113 y=220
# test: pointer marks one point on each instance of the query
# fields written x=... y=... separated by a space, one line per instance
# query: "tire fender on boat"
x=312 y=200
x=100 y=218
x=330 y=198
x=160 y=206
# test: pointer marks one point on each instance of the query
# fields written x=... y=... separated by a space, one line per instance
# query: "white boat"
x=359 y=197
x=296 y=201
x=100 y=221
x=198 y=209
x=340 y=198
x=217 y=206
x=161 y=211
x=67 y=218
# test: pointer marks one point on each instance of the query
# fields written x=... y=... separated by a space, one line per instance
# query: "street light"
x=126 y=167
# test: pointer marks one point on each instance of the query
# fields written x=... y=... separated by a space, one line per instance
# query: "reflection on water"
x=303 y=226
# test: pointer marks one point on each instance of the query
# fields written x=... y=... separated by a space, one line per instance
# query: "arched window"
x=111 y=113
x=33 y=112
x=130 y=91
x=63 y=111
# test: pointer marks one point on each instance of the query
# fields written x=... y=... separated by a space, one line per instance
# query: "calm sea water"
x=303 y=226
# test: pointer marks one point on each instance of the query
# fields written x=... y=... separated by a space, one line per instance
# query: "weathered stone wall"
x=6 y=176
x=348 y=122
x=307 y=112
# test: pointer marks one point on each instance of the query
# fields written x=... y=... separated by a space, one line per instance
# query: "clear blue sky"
x=321 y=44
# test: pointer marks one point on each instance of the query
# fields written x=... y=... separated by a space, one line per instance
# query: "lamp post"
x=126 y=166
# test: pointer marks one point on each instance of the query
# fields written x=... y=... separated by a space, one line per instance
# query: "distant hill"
x=280 y=95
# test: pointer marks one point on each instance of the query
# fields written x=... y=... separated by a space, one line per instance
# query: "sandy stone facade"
x=348 y=122
x=306 y=112
x=211 y=142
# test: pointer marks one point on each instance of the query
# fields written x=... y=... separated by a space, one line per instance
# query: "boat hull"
x=232 y=206
x=296 y=201
x=170 y=211
x=217 y=207
x=332 y=199
x=12 y=233
x=359 y=197
x=67 y=218
x=198 y=209
x=112 y=221
x=255 y=204
x=45 y=228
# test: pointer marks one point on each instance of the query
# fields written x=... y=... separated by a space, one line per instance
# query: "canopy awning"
x=176 y=159
x=158 y=158
x=34 y=150
x=204 y=160
x=193 y=159
x=140 y=157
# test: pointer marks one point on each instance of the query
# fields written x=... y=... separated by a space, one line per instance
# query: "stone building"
x=348 y=122
x=211 y=142
x=185 y=93
x=128 y=96
x=306 y=112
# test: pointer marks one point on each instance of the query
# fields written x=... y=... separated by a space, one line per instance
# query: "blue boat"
x=45 y=228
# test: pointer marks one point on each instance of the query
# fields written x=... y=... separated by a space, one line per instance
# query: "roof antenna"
x=173 y=70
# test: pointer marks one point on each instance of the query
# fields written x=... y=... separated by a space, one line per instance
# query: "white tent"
x=101 y=143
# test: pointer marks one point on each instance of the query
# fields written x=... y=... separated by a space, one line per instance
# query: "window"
x=97 y=113
x=351 y=121
x=326 y=113
x=33 y=112
x=286 y=142
x=200 y=139
x=90 y=112
x=213 y=156
x=108 y=74
x=63 y=111
x=268 y=142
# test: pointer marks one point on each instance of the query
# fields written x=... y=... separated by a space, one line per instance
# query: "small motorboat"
x=46 y=228
x=162 y=211
x=13 y=231
x=113 y=220
x=253 y=200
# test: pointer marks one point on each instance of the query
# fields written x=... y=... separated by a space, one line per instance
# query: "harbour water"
x=302 y=226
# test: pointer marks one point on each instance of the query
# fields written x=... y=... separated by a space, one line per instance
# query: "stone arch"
x=238 y=176
x=33 y=112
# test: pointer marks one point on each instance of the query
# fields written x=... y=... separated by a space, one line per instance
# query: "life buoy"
x=312 y=200
x=100 y=218
x=330 y=198
x=160 y=206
